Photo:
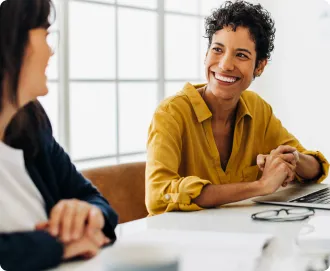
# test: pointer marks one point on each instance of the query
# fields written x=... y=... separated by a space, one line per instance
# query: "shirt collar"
x=202 y=111
x=242 y=110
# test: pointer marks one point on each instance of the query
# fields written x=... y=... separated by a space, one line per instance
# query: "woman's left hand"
x=287 y=153
x=70 y=219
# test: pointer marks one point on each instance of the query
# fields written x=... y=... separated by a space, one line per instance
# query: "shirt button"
x=167 y=197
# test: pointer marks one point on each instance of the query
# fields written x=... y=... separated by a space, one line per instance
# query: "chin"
x=43 y=91
x=226 y=95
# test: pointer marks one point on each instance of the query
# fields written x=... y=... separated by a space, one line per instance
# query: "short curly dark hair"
x=244 y=14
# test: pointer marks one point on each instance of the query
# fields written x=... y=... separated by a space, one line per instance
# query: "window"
x=117 y=59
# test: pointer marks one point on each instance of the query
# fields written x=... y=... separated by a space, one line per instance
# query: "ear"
x=260 y=67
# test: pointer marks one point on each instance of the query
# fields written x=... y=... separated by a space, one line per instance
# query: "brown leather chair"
x=123 y=186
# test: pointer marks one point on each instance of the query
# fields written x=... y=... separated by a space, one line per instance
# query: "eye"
x=217 y=49
x=241 y=55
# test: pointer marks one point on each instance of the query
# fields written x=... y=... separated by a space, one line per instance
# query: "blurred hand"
x=276 y=172
x=287 y=153
x=72 y=219
x=83 y=247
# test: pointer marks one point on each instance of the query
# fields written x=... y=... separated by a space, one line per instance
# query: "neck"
x=223 y=111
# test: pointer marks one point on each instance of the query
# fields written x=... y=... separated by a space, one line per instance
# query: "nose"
x=226 y=63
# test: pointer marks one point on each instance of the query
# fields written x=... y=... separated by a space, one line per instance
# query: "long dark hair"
x=17 y=18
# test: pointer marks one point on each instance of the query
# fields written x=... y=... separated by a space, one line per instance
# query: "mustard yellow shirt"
x=183 y=157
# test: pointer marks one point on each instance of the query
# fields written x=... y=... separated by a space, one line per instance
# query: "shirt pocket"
x=250 y=174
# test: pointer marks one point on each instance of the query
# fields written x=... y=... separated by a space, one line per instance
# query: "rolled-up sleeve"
x=277 y=135
x=323 y=163
x=166 y=190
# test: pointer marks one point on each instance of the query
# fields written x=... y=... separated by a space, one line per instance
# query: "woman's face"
x=230 y=63
x=33 y=80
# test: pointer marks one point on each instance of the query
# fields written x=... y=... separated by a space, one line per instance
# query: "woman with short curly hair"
x=218 y=143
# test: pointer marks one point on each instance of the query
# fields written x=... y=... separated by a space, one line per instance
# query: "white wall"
x=296 y=82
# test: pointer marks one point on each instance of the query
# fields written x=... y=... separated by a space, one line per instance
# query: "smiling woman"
x=204 y=142
x=48 y=211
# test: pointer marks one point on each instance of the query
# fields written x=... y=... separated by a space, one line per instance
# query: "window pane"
x=52 y=69
x=139 y=3
x=133 y=158
x=137 y=103
x=137 y=45
x=92 y=119
x=182 y=47
x=92 y=41
x=209 y=5
x=50 y=104
x=54 y=17
x=203 y=50
x=186 y=6
x=104 y=1
x=171 y=88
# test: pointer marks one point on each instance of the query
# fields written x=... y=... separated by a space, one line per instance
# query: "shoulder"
x=30 y=129
x=37 y=118
x=177 y=107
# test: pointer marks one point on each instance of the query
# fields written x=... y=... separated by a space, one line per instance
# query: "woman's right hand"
x=85 y=246
x=275 y=173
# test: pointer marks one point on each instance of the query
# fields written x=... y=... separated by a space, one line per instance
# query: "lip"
x=226 y=75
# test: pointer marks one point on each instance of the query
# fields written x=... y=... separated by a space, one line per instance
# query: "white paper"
x=205 y=250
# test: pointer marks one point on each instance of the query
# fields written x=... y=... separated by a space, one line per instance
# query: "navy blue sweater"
x=56 y=178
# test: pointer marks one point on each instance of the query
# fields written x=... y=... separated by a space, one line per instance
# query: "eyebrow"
x=238 y=49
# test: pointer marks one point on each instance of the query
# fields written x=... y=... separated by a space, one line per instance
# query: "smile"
x=226 y=79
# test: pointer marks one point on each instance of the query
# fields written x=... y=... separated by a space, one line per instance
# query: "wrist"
x=260 y=187
x=299 y=159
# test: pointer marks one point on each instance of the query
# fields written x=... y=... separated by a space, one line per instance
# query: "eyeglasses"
x=53 y=40
x=283 y=215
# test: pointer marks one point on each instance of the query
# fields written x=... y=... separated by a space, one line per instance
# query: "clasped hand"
x=278 y=167
x=78 y=225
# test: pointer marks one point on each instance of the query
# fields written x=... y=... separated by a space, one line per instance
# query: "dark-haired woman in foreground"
x=48 y=211
x=218 y=143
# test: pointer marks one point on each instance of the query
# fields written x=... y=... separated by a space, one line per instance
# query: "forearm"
x=29 y=251
x=308 y=167
x=216 y=195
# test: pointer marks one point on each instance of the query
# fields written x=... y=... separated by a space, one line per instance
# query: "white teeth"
x=225 y=79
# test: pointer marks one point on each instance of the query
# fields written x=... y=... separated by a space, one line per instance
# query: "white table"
x=232 y=218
